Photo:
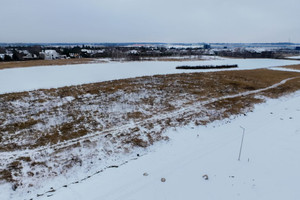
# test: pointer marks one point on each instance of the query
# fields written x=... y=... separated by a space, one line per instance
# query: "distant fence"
x=207 y=67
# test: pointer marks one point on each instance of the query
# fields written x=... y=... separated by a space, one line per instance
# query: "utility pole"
x=241 y=143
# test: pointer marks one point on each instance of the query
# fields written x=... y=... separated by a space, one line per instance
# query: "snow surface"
x=294 y=57
x=25 y=79
x=285 y=69
x=269 y=166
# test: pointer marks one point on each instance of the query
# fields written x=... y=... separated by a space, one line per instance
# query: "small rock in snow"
x=163 y=180
x=145 y=174
x=205 y=177
x=14 y=187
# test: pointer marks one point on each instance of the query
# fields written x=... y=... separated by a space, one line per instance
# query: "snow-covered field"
x=269 y=166
x=24 y=79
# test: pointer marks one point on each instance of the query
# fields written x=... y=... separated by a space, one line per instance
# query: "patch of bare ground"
x=45 y=133
x=297 y=67
x=32 y=63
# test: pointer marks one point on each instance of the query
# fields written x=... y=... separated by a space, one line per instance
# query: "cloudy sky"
x=149 y=20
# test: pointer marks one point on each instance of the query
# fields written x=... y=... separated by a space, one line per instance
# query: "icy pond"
x=31 y=78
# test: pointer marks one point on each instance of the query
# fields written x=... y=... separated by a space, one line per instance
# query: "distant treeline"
x=133 y=53
x=249 y=54
x=207 y=67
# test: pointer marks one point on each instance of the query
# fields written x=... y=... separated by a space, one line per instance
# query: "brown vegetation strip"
x=297 y=67
x=32 y=63
x=151 y=95
x=68 y=118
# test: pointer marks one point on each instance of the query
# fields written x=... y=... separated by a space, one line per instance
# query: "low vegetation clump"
x=48 y=132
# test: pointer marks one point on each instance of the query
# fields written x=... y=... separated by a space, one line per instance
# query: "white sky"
x=149 y=21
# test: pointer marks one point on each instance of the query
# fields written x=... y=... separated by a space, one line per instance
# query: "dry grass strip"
x=32 y=63
x=297 y=67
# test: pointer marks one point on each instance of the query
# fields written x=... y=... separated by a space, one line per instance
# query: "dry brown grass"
x=32 y=63
x=6 y=175
x=188 y=88
x=287 y=88
x=233 y=106
x=297 y=67
x=150 y=102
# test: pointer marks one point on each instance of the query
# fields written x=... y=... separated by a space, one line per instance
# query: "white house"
x=51 y=55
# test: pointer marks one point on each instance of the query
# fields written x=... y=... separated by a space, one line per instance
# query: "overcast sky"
x=149 y=20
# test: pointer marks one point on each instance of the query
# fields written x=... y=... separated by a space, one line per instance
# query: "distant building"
x=29 y=57
x=74 y=55
x=63 y=57
x=51 y=55
x=86 y=51
x=132 y=52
